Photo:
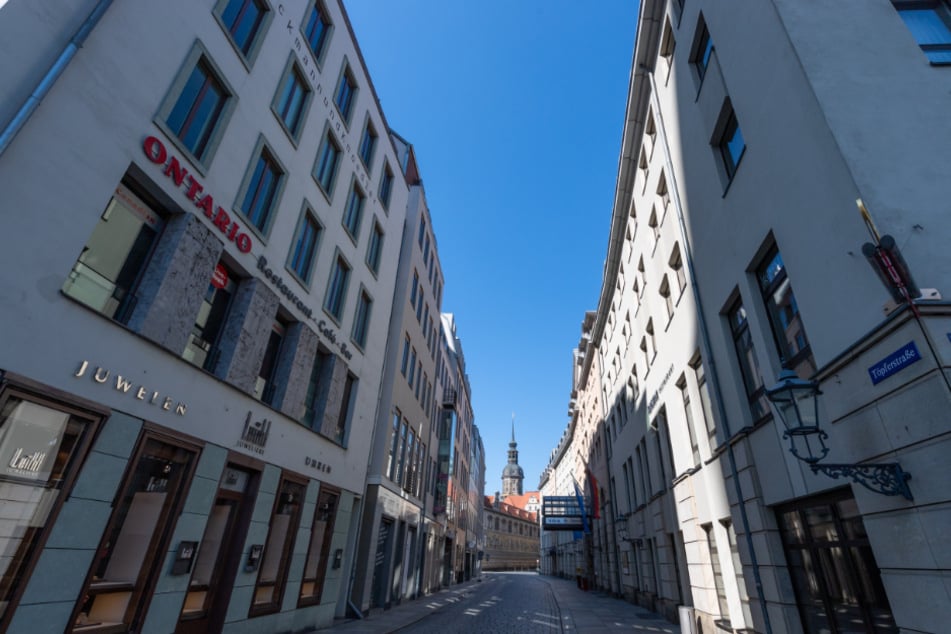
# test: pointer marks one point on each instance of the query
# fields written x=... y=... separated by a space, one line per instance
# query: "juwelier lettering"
x=152 y=397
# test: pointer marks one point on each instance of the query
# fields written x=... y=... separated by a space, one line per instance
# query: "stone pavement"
x=581 y=611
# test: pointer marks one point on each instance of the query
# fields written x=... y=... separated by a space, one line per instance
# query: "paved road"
x=520 y=603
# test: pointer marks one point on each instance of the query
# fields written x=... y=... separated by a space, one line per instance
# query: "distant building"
x=511 y=537
x=512 y=474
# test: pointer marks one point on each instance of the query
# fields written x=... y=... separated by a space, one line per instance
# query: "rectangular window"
x=704 y=391
x=346 y=93
x=412 y=367
x=132 y=552
x=367 y=144
x=730 y=142
x=318 y=551
x=930 y=23
x=328 y=159
x=394 y=444
x=702 y=49
x=276 y=559
x=337 y=288
x=321 y=376
x=353 y=213
x=317 y=29
x=386 y=186
x=346 y=409
x=198 y=110
x=55 y=443
x=688 y=417
x=784 y=317
x=405 y=356
x=717 y=572
x=414 y=290
x=304 y=251
x=361 y=320
x=292 y=99
x=243 y=19
x=749 y=367
x=837 y=582
x=419 y=305
x=264 y=384
x=260 y=197
x=112 y=261
x=202 y=347
x=401 y=453
x=677 y=264
x=375 y=248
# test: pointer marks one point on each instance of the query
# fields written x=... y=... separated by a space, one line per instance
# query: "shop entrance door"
x=219 y=554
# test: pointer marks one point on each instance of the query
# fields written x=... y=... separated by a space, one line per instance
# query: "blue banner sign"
x=895 y=362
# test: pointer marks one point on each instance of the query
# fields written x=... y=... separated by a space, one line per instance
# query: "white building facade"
x=736 y=250
x=200 y=294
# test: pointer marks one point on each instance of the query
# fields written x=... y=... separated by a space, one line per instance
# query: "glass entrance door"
x=209 y=589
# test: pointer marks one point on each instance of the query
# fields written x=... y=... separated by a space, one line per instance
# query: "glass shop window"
x=108 y=269
x=202 y=347
x=264 y=385
x=321 y=535
x=131 y=554
x=39 y=449
x=276 y=559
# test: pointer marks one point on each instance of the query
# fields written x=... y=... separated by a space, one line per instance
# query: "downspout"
x=707 y=350
x=46 y=83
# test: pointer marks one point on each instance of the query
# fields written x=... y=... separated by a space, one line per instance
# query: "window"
x=836 y=579
x=704 y=391
x=197 y=114
x=353 y=213
x=57 y=441
x=346 y=409
x=202 y=347
x=132 y=552
x=419 y=305
x=414 y=290
x=405 y=356
x=394 y=443
x=386 y=186
x=375 y=248
x=655 y=229
x=412 y=367
x=688 y=417
x=422 y=231
x=730 y=142
x=717 y=572
x=291 y=100
x=677 y=264
x=702 y=49
x=401 y=453
x=262 y=190
x=243 y=20
x=303 y=254
x=321 y=376
x=317 y=29
x=346 y=93
x=930 y=23
x=749 y=367
x=667 y=45
x=651 y=341
x=318 y=551
x=337 y=288
x=668 y=298
x=367 y=144
x=264 y=383
x=109 y=268
x=784 y=317
x=276 y=559
x=325 y=169
x=361 y=320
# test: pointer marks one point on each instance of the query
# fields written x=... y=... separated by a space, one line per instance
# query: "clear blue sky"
x=515 y=110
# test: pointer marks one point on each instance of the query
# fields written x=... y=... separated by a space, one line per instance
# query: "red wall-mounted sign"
x=219 y=279
x=155 y=151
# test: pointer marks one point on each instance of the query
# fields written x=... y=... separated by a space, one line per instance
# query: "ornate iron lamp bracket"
x=887 y=478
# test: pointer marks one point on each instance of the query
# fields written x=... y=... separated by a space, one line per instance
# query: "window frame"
x=369 y=132
x=324 y=44
x=327 y=138
x=292 y=69
x=385 y=192
x=247 y=57
x=347 y=78
x=701 y=52
x=352 y=221
x=941 y=11
x=197 y=55
x=319 y=580
x=374 y=254
x=262 y=149
x=361 y=319
x=306 y=212
x=339 y=258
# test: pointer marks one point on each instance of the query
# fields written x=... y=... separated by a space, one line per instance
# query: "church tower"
x=512 y=474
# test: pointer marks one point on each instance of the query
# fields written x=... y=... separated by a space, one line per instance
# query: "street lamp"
x=797 y=402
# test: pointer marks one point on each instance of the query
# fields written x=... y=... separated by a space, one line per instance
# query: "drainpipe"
x=707 y=350
x=46 y=83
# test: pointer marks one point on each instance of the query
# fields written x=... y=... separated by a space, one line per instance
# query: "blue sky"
x=515 y=110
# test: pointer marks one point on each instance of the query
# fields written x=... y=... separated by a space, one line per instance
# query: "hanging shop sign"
x=894 y=363
x=104 y=376
x=219 y=278
x=156 y=152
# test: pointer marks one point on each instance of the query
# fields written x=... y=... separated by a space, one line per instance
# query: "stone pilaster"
x=245 y=335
